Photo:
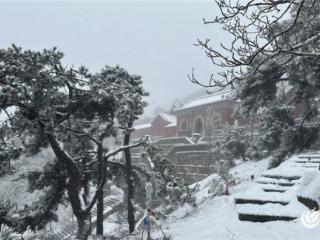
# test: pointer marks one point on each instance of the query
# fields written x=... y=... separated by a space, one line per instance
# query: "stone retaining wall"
x=192 y=162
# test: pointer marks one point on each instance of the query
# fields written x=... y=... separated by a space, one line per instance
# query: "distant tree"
x=233 y=144
x=176 y=104
x=274 y=122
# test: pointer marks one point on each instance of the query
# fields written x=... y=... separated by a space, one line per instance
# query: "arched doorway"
x=198 y=126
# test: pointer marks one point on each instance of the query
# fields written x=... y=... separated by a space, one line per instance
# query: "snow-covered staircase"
x=273 y=195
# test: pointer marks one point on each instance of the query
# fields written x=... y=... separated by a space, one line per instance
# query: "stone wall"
x=192 y=162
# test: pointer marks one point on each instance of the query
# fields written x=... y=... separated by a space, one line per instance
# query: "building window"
x=183 y=125
x=215 y=121
x=198 y=126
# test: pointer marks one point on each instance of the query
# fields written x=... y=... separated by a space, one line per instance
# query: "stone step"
x=289 y=184
x=315 y=167
x=289 y=178
x=270 y=211
x=263 y=218
x=66 y=232
x=112 y=201
x=274 y=190
x=307 y=157
x=258 y=201
x=303 y=161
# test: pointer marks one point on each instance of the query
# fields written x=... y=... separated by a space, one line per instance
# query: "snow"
x=142 y=126
x=273 y=209
x=3 y=116
x=168 y=117
x=171 y=119
x=310 y=187
x=173 y=124
x=217 y=217
x=65 y=215
x=216 y=97
x=16 y=185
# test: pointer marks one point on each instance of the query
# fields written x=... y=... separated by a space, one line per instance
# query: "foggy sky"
x=151 y=38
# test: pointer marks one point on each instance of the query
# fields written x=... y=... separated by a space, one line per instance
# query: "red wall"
x=139 y=133
x=158 y=129
x=224 y=109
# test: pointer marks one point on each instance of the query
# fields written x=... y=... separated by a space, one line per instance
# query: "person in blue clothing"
x=152 y=226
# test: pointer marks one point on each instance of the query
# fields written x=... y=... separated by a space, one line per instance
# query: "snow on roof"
x=207 y=99
x=168 y=117
x=142 y=126
x=171 y=119
x=173 y=124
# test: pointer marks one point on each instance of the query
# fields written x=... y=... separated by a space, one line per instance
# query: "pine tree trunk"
x=86 y=191
x=74 y=189
x=101 y=177
x=84 y=226
x=243 y=156
x=40 y=141
x=130 y=186
x=86 y=186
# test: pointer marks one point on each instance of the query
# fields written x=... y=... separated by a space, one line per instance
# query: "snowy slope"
x=217 y=218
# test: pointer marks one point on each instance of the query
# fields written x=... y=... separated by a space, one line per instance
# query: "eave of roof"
x=202 y=101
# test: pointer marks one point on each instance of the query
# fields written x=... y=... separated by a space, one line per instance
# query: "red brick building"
x=206 y=114
x=163 y=126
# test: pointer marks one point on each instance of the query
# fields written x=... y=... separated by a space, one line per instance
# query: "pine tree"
x=57 y=105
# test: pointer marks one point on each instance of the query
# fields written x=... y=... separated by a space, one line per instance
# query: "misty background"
x=154 y=39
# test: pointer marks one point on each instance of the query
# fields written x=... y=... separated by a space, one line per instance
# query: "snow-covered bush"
x=225 y=179
x=278 y=157
x=169 y=187
x=7 y=233
x=217 y=187
x=32 y=191
x=7 y=154
x=180 y=192
x=309 y=190
x=29 y=235
x=255 y=151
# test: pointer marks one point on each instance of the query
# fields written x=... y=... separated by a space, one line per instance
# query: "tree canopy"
x=70 y=109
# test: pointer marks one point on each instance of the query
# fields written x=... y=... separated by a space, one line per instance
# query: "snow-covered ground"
x=217 y=217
